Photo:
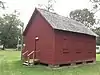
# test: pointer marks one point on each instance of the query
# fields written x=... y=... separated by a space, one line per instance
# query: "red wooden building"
x=55 y=39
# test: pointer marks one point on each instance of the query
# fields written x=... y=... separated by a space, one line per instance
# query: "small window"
x=89 y=52
x=78 y=52
x=65 y=51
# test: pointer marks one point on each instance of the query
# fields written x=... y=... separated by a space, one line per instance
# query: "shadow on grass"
x=19 y=63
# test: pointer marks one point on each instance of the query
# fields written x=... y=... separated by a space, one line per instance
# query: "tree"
x=95 y=9
x=2 y=5
x=97 y=31
x=96 y=5
x=49 y=5
x=9 y=30
x=84 y=16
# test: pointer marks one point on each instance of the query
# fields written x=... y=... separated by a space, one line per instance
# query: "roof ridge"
x=52 y=12
x=62 y=16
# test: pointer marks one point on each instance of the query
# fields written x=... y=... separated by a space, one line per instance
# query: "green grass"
x=10 y=64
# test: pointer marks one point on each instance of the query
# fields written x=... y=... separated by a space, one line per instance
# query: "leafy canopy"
x=84 y=16
x=9 y=30
x=97 y=31
x=2 y=5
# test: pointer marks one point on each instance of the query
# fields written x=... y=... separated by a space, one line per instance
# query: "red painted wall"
x=71 y=47
x=46 y=42
x=58 y=47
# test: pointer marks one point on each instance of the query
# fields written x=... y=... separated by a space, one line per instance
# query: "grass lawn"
x=10 y=64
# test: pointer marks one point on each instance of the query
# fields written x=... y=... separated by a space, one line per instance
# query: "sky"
x=26 y=7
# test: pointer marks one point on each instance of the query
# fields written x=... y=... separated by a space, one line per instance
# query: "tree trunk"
x=3 y=47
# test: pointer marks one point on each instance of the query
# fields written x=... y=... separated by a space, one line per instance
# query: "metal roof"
x=64 y=23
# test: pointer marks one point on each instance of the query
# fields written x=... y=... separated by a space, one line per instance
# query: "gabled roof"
x=64 y=23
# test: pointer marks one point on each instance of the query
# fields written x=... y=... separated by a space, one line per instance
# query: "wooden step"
x=31 y=61
x=35 y=60
x=25 y=63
